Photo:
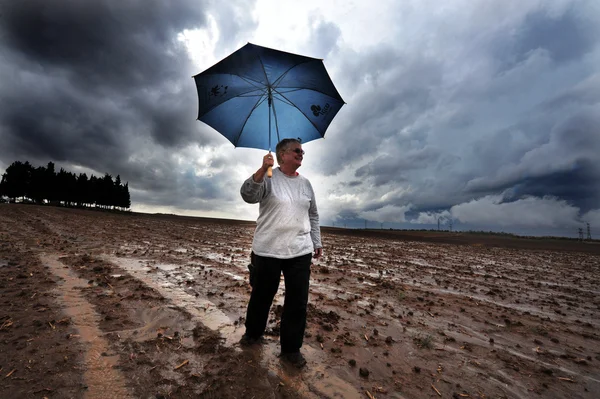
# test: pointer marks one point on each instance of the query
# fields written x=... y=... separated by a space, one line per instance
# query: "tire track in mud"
x=102 y=379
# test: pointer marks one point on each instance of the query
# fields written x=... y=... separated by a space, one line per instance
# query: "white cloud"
x=593 y=218
x=388 y=213
x=544 y=212
x=432 y=217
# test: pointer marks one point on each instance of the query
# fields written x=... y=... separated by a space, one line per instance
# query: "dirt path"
x=101 y=379
x=152 y=306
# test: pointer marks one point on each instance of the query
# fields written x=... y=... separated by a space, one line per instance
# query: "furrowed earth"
x=99 y=304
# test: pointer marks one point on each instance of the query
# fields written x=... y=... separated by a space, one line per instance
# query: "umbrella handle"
x=270 y=169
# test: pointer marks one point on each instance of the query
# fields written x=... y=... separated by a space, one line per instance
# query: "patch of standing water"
x=166 y=267
x=197 y=267
x=234 y=276
x=205 y=311
x=216 y=257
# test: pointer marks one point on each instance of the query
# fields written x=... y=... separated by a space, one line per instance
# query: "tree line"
x=43 y=185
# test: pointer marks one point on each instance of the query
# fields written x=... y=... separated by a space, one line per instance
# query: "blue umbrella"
x=256 y=87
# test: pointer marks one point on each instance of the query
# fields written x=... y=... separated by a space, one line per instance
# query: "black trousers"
x=296 y=275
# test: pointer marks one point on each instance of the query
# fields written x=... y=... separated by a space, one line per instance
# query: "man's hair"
x=283 y=145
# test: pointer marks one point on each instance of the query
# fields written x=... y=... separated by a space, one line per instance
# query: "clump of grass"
x=540 y=330
x=423 y=342
x=401 y=295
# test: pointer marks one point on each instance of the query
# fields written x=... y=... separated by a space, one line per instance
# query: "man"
x=287 y=236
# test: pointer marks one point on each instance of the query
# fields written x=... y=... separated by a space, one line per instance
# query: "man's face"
x=293 y=155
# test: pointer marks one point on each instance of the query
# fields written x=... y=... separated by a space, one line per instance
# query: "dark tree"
x=50 y=186
x=16 y=180
x=43 y=184
x=37 y=185
x=83 y=197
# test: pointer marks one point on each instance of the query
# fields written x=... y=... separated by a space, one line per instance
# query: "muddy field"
x=99 y=305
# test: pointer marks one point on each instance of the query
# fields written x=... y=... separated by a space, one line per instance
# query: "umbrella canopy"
x=257 y=96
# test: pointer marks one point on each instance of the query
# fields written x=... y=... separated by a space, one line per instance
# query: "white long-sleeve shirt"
x=288 y=220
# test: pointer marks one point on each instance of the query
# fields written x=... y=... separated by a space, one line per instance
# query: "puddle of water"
x=234 y=276
x=100 y=376
x=167 y=267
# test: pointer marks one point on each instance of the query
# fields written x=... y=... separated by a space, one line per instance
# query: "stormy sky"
x=486 y=113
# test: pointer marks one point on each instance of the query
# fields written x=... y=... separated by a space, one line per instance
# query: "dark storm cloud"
x=98 y=66
x=577 y=186
x=563 y=36
x=323 y=38
x=105 y=85
x=191 y=190
x=57 y=125
x=388 y=95
x=584 y=94
x=353 y=183
x=392 y=169
x=125 y=51
x=566 y=167
x=119 y=44
x=566 y=37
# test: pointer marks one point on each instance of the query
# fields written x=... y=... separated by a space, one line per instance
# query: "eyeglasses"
x=298 y=151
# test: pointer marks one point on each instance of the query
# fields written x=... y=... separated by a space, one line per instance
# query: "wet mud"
x=154 y=305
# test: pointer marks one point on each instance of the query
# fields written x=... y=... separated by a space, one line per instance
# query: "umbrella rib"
x=258 y=103
x=255 y=87
x=311 y=89
x=297 y=88
x=262 y=65
x=280 y=78
x=249 y=95
x=289 y=90
x=283 y=99
x=255 y=83
x=286 y=72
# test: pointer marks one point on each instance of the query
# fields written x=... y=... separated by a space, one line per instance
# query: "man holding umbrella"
x=249 y=97
x=287 y=236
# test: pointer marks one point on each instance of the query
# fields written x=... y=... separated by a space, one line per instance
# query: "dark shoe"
x=249 y=341
x=295 y=359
